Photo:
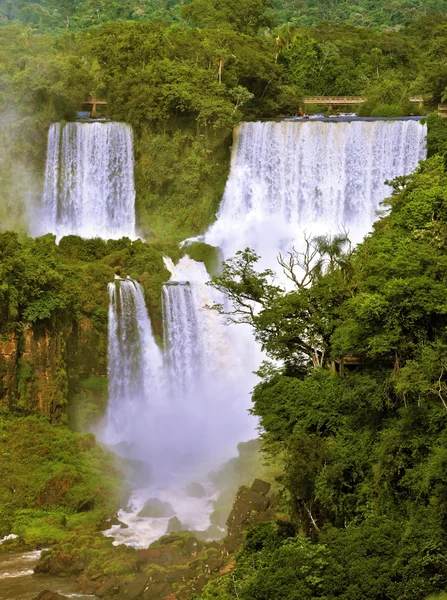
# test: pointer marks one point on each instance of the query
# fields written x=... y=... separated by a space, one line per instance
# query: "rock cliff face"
x=39 y=365
x=42 y=372
x=8 y=369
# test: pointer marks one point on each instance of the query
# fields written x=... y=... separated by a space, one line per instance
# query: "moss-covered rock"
x=52 y=480
x=156 y=509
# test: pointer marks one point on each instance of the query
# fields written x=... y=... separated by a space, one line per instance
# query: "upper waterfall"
x=89 y=182
x=292 y=177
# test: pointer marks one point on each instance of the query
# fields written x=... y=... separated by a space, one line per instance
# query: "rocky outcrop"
x=48 y=595
x=156 y=509
x=8 y=369
x=42 y=372
x=195 y=490
x=176 y=566
x=251 y=506
x=41 y=364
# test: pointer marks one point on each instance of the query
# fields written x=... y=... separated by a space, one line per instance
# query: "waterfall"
x=183 y=336
x=89 y=183
x=135 y=365
x=206 y=364
x=187 y=409
x=291 y=177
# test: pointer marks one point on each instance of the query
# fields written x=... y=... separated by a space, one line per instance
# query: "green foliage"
x=88 y=402
x=436 y=135
x=363 y=431
x=246 y=17
x=51 y=477
x=201 y=252
x=180 y=178
x=274 y=563
x=58 y=16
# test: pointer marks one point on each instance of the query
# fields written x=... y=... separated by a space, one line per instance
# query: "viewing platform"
x=348 y=100
x=334 y=100
x=93 y=102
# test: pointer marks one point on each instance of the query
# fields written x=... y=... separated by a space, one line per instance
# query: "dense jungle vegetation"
x=357 y=409
x=184 y=86
x=355 y=400
x=66 y=14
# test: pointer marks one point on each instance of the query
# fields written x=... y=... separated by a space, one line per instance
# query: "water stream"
x=17 y=579
x=317 y=177
x=89 y=181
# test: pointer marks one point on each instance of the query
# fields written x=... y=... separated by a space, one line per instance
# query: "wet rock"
x=156 y=509
x=247 y=500
x=174 y=525
x=260 y=486
x=48 y=595
x=60 y=565
x=195 y=490
x=108 y=587
x=108 y=523
x=156 y=591
x=135 y=588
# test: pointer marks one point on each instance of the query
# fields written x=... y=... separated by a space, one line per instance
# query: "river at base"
x=18 y=582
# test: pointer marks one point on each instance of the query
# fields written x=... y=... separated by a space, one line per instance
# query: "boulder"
x=48 y=595
x=108 y=523
x=247 y=500
x=260 y=486
x=195 y=490
x=134 y=588
x=174 y=525
x=156 y=509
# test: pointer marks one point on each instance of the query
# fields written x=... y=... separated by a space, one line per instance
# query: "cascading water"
x=183 y=416
x=89 y=183
x=135 y=368
x=292 y=177
x=286 y=178
x=183 y=338
x=207 y=383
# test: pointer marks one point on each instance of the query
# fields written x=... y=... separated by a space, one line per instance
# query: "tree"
x=292 y=326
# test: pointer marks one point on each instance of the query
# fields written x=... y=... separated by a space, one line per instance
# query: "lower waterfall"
x=182 y=413
x=135 y=367
x=89 y=181
x=183 y=339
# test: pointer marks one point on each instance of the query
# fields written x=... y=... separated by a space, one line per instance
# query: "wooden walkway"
x=94 y=103
x=347 y=100
x=324 y=100
x=334 y=100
